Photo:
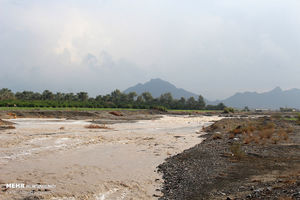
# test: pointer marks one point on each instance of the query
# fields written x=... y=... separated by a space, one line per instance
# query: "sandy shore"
x=118 y=162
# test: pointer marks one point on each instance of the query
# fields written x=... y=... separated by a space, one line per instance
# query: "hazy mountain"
x=157 y=87
x=273 y=99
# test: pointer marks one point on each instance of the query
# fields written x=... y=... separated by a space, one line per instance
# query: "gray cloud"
x=210 y=47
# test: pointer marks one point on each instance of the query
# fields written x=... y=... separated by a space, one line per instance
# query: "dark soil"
x=228 y=166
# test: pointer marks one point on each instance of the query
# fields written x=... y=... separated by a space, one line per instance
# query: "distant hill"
x=273 y=99
x=157 y=87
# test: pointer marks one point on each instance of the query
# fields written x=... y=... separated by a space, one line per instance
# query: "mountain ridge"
x=273 y=99
x=158 y=86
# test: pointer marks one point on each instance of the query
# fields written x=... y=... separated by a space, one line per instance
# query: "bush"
x=159 y=108
x=237 y=151
x=95 y=126
x=217 y=136
x=298 y=119
x=228 y=110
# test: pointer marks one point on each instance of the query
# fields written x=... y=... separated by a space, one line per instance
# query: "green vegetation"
x=115 y=100
x=228 y=110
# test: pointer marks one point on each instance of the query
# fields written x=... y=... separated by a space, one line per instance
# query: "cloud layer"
x=210 y=47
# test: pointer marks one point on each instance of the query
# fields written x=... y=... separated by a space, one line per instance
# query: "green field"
x=291 y=119
x=94 y=109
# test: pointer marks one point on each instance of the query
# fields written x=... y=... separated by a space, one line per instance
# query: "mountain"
x=273 y=99
x=157 y=87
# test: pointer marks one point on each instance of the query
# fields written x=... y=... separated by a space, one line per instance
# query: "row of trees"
x=116 y=99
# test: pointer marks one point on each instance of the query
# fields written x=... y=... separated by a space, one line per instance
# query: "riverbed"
x=117 y=161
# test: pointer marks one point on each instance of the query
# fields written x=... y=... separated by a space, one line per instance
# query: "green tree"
x=191 y=103
x=182 y=102
x=116 y=96
x=47 y=95
x=201 y=103
x=82 y=96
x=132 y=96
x=166 y=99
x=140 y=100
x=59 y=96
x=221 y=106
x=246 y=109
x=6 y=94
x=147 y=97
x=70 y=97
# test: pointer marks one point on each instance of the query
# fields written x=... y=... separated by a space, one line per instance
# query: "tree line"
x=115 y=99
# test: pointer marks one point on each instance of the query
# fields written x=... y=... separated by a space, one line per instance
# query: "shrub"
x=237 y=151
x=283 y=134
x=266 y=134
x=298 y=119
x=290 y=129
x=248 y=140
x=217 y=136
x=275 y=140
x=228 y=110
x=159 y=108
x=8 y=127
x=276 y=116
x=116 y=113
x=95 y=126
x=231 y=136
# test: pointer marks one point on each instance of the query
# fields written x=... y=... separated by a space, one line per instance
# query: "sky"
x=210 y=47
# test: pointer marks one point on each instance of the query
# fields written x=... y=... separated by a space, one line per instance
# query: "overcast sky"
x=212 y=47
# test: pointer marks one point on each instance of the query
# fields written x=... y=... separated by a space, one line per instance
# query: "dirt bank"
x=239 y=159
x=121 y=115
x=6 y=125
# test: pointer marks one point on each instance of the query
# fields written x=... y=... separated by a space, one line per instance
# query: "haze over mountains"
x=273 y=99
x=158 y=86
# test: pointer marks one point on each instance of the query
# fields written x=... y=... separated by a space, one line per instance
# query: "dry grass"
x=8 y=127
x=237 y=151
x=266 y=133
x=283 y=134
x=116 y=113
x=290 y=129
x=262 y=132
x=249 y=129
x=231 y=136
x=298 y=119
x=275 y=140
x=217 y=136
x=248 y=140
x=96 y=126
x=237 y=130
x=285 y=198
x=12 y=115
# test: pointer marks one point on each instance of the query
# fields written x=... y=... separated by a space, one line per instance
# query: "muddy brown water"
x=79 y=163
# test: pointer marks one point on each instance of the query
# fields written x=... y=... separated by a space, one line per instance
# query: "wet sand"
x=115 y=163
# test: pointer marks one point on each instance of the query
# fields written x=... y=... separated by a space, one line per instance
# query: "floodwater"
x=79 y=163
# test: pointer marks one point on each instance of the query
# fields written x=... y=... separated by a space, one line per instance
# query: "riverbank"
x=238 y=159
